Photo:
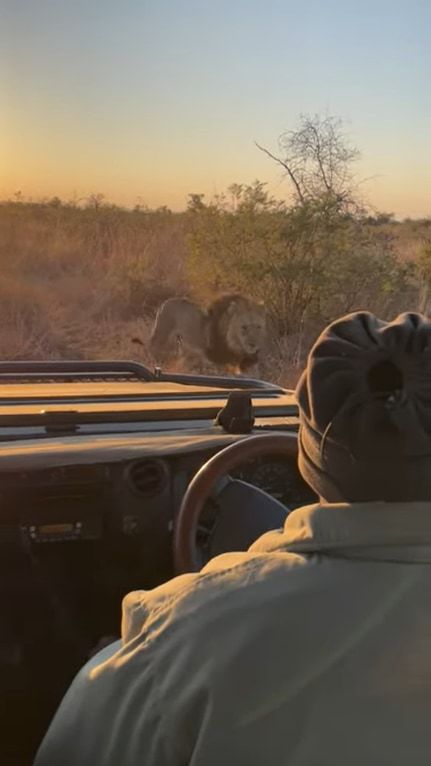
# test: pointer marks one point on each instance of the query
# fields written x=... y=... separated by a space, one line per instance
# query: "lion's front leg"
x=248 y=370
x=194 y=360
x=234 y=370
x=253 y=372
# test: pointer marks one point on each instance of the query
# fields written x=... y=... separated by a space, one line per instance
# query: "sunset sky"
x=154 y=99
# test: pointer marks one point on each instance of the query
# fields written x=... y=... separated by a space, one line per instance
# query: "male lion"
x=231 y=333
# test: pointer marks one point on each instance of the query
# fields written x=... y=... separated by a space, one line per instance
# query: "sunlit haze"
x=151 y=100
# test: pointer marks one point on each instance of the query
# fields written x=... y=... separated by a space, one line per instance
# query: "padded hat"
x=365 y=410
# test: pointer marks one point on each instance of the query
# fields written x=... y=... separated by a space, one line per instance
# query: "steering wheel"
x=202 y=484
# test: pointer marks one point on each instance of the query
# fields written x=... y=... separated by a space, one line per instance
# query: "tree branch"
x=287 y=169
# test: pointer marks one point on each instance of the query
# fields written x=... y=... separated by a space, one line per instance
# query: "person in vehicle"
x=314 y=647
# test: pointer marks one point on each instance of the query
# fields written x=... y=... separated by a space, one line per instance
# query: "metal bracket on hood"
x=236 y=417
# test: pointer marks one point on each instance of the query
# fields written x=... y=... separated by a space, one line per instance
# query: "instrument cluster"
x=279 y=477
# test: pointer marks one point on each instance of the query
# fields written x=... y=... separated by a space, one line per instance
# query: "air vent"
x=148 y=477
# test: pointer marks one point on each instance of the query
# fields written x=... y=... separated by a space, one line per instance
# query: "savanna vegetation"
x=78 y=280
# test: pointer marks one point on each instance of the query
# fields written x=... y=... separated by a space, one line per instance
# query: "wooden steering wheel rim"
x=200 y=488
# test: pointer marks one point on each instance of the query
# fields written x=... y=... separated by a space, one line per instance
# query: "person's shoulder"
x=241 y=579
x=223 y=613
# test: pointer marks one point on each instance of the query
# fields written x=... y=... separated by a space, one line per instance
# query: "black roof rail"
x=74 y=370
x=220 y=381
x=20 y=371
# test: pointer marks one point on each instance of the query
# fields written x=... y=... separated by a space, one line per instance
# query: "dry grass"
x=80 y=283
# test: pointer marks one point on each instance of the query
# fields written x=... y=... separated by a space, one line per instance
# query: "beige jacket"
x=311 y=649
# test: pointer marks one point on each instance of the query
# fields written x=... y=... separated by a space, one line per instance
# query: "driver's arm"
x=112 y=714
x=109 y=716
x=147 y=699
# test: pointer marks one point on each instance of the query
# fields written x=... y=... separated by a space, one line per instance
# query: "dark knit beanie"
x=365 y=410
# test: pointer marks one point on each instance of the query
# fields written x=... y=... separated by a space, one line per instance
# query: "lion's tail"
x=162 y=330
x=166 y=330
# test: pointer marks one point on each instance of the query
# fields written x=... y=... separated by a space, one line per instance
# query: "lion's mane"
x=224 y=311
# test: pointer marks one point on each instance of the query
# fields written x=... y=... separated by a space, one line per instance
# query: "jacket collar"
x=386 y=531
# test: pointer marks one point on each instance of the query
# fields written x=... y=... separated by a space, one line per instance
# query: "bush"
x=309 y=263
x=80 y=282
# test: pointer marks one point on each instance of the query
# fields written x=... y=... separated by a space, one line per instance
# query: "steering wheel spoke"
x=211 y=481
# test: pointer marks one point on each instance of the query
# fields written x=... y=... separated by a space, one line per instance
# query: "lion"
x=231 y=333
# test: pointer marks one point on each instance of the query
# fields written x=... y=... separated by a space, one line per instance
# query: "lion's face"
x=247 y=328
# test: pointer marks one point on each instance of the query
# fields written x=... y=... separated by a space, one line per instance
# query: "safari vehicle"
x=114 y=478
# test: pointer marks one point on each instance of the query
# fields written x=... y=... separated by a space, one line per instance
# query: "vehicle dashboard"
x=95 y=458
x=91 y=479
x=128 y=492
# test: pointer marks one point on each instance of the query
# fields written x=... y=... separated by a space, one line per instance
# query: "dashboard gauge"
x=273 y=478
x=276 y=475
x=279 y=478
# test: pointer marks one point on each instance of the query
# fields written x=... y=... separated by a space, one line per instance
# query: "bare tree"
x=317 y=159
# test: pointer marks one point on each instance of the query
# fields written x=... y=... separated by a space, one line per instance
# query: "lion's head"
x=246 y=327
x=238 y=329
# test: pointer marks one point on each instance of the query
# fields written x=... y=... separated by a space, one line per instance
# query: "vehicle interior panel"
x=86 y=518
